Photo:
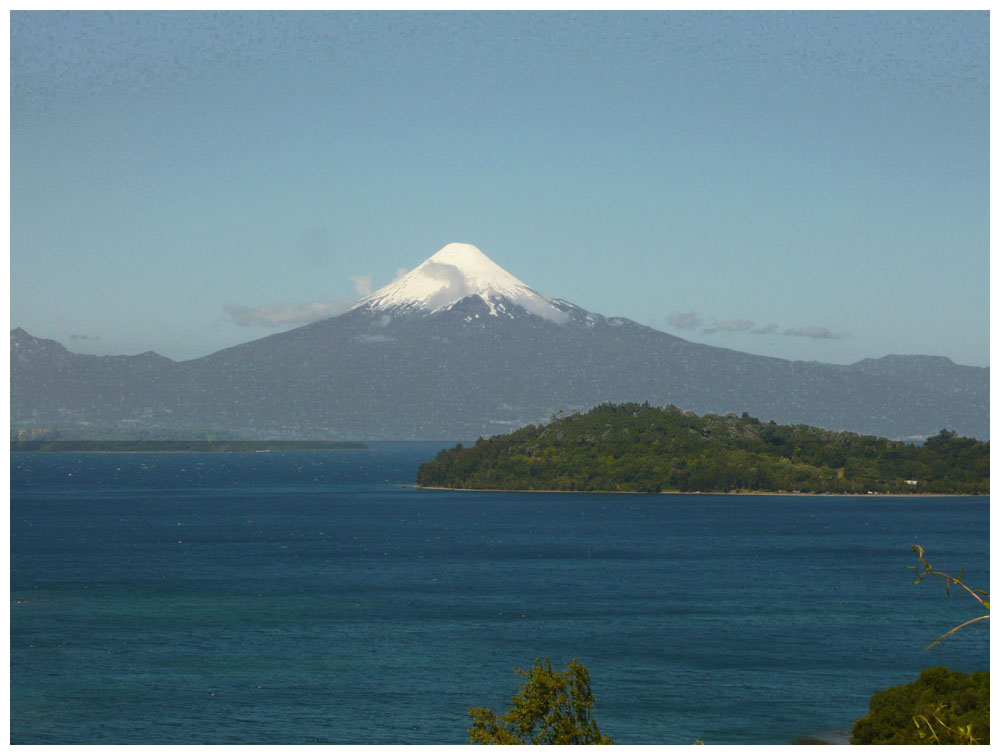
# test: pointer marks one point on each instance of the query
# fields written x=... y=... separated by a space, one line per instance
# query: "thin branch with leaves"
x=959 y=735
x=925 y=570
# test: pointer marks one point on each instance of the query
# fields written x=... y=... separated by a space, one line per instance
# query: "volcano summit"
x=455 y=272
x=458 y=348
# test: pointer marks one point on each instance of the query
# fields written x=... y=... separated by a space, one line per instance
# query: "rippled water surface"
x=306 y=597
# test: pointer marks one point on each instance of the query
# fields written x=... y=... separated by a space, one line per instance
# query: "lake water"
x=306 y=597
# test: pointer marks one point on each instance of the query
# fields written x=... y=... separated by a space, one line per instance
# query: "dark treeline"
x=633 y=447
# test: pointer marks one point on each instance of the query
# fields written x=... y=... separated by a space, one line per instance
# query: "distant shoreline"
x=180 y=446
x=707 y=492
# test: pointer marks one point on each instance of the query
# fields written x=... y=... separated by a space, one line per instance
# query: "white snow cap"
x=453 y=273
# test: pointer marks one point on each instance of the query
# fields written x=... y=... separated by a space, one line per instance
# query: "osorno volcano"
x=459 y=348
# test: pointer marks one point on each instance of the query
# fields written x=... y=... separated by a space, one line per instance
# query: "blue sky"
x=804 y=185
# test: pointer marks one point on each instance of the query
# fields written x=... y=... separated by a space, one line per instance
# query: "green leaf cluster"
x=552 y=708
x=940 y=707
x=641 y=448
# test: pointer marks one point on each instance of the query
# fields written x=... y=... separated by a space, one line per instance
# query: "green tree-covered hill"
x=941 y=707
x=638 y=447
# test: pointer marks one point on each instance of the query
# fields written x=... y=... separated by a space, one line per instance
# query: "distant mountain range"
x=459 y=348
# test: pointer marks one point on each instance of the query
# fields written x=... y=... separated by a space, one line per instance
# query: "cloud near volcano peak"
x=685 y=320
x=280 y=315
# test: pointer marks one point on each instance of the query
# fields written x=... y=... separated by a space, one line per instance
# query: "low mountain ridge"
x=450 y=355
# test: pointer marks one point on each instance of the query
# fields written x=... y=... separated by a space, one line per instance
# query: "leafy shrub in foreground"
x=940 y=707
x=552 y=708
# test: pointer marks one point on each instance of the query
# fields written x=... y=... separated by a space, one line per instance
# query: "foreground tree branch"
x=925 y=570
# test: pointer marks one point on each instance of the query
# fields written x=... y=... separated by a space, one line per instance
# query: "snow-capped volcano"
x=453 y=273
x=460 y=348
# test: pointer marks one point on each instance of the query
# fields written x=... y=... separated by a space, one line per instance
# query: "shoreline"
x=707 y=492
x=194 y=451
x=831 y=737
x=178 y=446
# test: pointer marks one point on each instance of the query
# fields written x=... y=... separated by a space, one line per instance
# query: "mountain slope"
x=458 y=348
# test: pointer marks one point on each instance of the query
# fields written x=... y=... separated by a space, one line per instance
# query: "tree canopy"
x=941 y=707
x=551 y=708
x=641 y=448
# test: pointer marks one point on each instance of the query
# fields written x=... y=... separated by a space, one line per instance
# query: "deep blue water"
x=307 y=598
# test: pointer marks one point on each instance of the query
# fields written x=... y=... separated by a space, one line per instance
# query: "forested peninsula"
x=642 y=448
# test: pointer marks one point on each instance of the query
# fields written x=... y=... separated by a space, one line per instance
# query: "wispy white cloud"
x=693 y=321
x=684 y=320
x=729 y=326
x=812 y=331
x=455 y=285
x=362 y=284
x=542 y=308
x=280 y=315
